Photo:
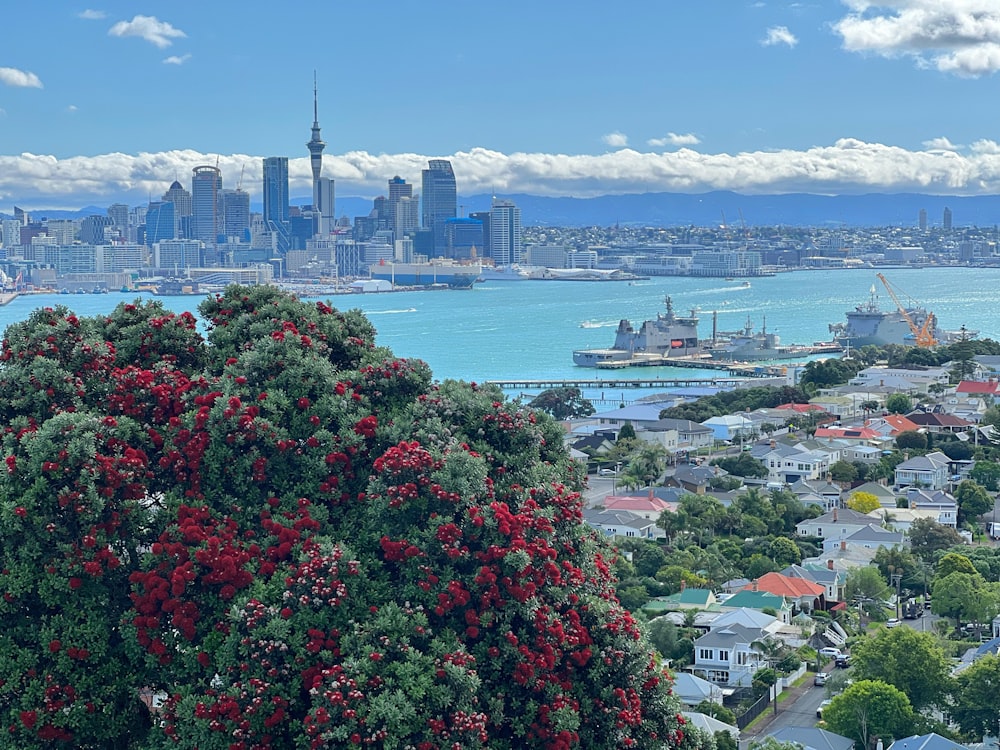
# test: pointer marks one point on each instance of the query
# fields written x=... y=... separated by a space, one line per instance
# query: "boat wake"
x=597 y=324
x=390 y=312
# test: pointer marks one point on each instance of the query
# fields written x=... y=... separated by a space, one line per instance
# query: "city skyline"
x=833 y=97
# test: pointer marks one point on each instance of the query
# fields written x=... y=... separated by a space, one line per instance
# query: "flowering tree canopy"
x=285 y=537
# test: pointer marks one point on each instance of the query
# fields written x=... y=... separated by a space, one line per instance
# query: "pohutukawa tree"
x=285 y=537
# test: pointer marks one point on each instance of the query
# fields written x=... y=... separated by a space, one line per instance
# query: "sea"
x=528 y=330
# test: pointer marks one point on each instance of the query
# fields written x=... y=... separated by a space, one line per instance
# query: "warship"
x=665 y=337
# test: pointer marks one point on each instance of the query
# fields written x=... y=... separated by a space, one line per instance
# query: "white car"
x=830 y=652
x=606 y=472
x=892 y=622
x=819 y=711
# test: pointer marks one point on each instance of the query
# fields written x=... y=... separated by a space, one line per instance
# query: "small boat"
x=589 y=324
x=745 y=284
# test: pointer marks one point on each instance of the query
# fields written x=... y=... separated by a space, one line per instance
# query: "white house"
x=839 y=523
x=622 y=524
x=929 y=471
x=729 y=426
x=790 y=463
x=725 y=656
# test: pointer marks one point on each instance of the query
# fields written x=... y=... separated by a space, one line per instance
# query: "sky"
x=113 y=101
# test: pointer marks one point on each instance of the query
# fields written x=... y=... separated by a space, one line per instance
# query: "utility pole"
x=896 y=575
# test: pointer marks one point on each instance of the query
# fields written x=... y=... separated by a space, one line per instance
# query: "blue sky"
x=113 y=101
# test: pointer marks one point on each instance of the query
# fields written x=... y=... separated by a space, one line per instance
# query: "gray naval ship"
x=665 y=337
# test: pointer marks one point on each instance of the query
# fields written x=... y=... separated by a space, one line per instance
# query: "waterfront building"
x=505 y=233
x=722 y=263
x=440 y=200
x=206 y=185
x=463 y=238
x=174 y=256
x=549 y=256
x=160 y=222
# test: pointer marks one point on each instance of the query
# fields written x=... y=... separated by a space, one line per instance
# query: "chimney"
x=829 y=564
x=843 y=545
x=683 y=584
x=774 y=443
x=834 y=514
x=879 y=745
x=754 y=586
x=650 y=493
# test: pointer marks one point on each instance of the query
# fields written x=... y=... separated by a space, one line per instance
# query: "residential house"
x=688 y=598
x=640 y=414
x=901 y=519
x=648 y=506
x=710 y=725
x=622 y=524
x=729 y=426
x=829 y=494
x=990 y=388
x=890 y=425
x=853 y=436
x=694 y=479
x=838 y=523
x=907 y=381
x=692 y=689
x=726 y=656
x=690 y=435
x=940 y=502
x=869 y=455
x=930 y=471
x=812 y=738
x=748 y=618
x=790 y=463
x=759 y=600
x=828 y=576
x=803 y=594
x=886 y=497
x=938 y=422
x=870 y=538
x=930 y=741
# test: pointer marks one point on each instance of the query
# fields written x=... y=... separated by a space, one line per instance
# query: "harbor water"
x=529 y=329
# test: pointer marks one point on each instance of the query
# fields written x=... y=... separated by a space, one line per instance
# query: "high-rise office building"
x=160 y=222
x=505 y=232
x=236 y=215
x=92 y=230
x=323 y=210
x=206 y=216
x=922 y=219
x=118 y=213
x=946 y=219
x=406 y=216
x=276 y=200
x=181 y=199
x=398 y=188
x=440 y=200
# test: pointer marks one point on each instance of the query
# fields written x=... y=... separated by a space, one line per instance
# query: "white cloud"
x=92 y=15
x=960 y=37
x=940 y=144
x=616 y=139
x=19 y=78
x=150 y=28
x=779 y=35
x=71 y=108
x=848 y=166
x=176 y=59
x=674 y=139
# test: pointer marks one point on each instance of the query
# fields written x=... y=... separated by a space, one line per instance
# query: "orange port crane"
x=923 y=334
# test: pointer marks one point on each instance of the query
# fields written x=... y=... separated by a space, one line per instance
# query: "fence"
x=754 y=711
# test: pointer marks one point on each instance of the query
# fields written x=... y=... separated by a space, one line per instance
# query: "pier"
x=544 y=385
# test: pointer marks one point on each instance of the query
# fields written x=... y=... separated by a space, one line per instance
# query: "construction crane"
x=923 y=334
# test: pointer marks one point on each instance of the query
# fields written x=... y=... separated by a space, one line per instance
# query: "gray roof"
x=730 y=635
x=930 y=741
x=698 y=474
x=872 y=533
x=822 y=575
x=602 y=517
x=929 y=462
x=681 y=425
x=812 y=738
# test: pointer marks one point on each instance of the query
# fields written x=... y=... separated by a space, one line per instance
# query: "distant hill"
x=705 y=209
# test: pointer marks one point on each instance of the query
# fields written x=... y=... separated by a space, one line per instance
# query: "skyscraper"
x=181 y=199
x=922 y=219
x=235 y=215
x=160 y=222
x=398 y=188
x=946 y=219
x=276 y=199
x=505 y=232
x=440 y=200
x=206 y=217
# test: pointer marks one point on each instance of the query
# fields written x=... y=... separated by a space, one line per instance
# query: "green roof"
x=756 y=600
x=690 y=596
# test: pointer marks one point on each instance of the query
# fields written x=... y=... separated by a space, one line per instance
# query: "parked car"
x=843 y=661
x=819 y=711
x=606 y=472
x=830 y=652
x=892 y=622
x=820 y=678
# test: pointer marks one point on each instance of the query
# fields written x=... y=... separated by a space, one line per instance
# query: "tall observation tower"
x=316 y=146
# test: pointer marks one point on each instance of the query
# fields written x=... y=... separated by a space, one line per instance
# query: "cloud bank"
x=779 y=35
x=959 y=37
x=848 y=166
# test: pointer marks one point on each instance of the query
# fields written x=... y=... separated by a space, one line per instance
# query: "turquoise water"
x=529 y=329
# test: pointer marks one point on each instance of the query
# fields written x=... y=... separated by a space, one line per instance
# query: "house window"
x=723 y=656
x=705 y=654
x=718 y=676
x=742 y=658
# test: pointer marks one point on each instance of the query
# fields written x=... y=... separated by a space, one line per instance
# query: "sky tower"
x=315 y=144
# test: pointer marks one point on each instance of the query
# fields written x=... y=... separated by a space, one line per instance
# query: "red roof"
x=898 y=422
x=779 y=585
x=638 y=504
x=989 y=387
x=851 y=433
x=801 y=408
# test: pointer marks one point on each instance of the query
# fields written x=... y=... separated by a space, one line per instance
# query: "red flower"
x=75 y=583
x=28 y=718
x=20 y=512
x=54 y=646
x=303 y=403
x=286 y=613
